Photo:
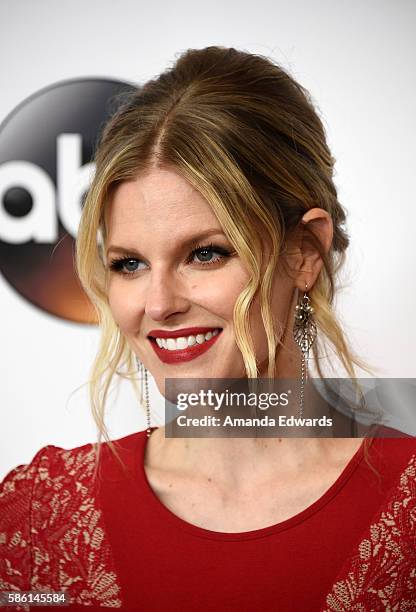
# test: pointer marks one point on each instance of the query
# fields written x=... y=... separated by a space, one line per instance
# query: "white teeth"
x=177 y=344
x=181 y=343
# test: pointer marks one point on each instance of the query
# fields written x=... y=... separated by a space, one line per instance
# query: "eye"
x=208 y=254
x=125 y=265
x=203 y=255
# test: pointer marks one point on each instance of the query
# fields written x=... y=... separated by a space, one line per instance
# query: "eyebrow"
x=187 y=242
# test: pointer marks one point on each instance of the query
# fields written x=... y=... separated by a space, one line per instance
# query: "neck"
x=238 y=465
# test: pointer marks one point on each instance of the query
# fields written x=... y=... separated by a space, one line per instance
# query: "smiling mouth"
x=183 y=348
x=183 y=342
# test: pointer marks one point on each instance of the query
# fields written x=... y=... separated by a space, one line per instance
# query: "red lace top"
x=110 y=542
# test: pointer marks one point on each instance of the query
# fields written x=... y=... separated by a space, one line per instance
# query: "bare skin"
x=221 y=484
x=237 y=485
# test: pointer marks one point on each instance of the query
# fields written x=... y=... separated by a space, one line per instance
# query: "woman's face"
x=175 y=278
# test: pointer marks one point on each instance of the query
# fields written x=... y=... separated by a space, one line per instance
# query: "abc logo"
x=46 y=147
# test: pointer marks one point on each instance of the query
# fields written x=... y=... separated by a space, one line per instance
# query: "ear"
x=304 y=260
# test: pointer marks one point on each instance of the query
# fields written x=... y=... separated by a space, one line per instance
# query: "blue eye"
x=130 y=265
x=125 y=265
x=206 y=255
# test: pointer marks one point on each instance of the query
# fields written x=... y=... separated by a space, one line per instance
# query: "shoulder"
x=54 y=463
x=25 y=510
x=59 y=469
x=50 y=462
x=27 y=490
x=394 y=450
x=68 y=473
x=388 y=455
x=51 y=506
x=380 y=571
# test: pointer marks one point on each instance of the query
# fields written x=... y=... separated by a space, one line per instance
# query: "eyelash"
x=116 y=265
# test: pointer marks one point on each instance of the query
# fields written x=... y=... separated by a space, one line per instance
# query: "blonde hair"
x=246 y=135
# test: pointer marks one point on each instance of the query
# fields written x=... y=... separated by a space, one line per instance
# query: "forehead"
x=160 y=200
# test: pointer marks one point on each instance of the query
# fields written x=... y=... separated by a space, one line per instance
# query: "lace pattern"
x=381 y=575
x=53 y=536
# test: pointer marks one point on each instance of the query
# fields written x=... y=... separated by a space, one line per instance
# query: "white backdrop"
x=357 y=60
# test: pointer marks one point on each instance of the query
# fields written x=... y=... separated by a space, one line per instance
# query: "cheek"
x=124 y=306
x=219 y=294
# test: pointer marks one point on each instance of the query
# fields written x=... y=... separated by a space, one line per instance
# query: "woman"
x=212 y=216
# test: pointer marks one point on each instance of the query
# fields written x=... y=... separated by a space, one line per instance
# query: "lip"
x=182 y=355
x=177 y=333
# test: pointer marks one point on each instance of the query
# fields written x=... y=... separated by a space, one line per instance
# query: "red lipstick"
x=185 y=331
x=188 y=353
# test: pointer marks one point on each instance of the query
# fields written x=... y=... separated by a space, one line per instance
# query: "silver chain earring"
x=304 y=332
x=143 y=375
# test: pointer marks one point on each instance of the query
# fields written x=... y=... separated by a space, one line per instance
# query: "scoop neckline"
x=166 y=514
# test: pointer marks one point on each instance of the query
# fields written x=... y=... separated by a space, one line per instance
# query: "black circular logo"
x=46 y=147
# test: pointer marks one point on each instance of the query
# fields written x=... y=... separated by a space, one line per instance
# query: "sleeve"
x=381 y=573
x=52 y=532
x=16 y=495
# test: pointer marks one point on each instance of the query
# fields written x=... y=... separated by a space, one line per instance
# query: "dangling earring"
x=143 y=377
x=304 y=332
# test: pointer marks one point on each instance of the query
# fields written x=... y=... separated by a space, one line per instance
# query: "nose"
x=165 y=296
